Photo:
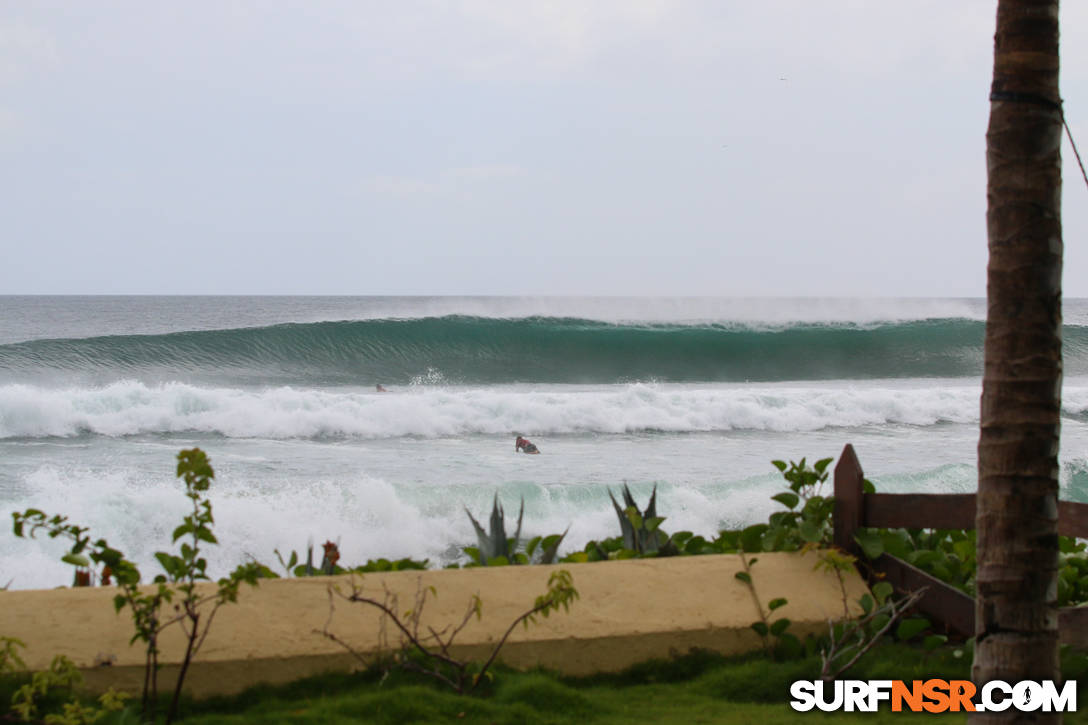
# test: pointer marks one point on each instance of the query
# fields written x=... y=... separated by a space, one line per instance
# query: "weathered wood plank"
x=1073 y=626
x=941 y=601
x=1073 y=519
x=919 y=510
x=948 y=511
x=848 y=495
x=955 y=609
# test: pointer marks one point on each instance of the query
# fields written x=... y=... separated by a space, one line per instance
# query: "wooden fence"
x=941 y=602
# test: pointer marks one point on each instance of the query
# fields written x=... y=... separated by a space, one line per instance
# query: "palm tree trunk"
x=1016 y=613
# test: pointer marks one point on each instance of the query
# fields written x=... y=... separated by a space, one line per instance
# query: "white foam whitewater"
x=134 y=408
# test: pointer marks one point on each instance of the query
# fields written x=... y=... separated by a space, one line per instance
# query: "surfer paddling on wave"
x=524 y=446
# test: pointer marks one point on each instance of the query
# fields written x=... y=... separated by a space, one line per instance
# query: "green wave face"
x=479 y=350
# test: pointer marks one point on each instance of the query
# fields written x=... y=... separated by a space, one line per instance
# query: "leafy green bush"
x=807 y=525
x=182 y=572
x=378 y=565
x=949 y=555
x=330 y=566
x=807 y=518
x=62 y=678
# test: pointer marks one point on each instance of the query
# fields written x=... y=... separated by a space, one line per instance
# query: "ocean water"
x=693 y=396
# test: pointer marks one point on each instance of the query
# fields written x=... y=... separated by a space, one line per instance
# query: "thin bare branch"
x=498 y=646
x=207 y=627
x=894 y=610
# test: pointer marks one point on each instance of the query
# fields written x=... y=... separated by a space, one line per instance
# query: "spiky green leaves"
x=640 y=531
x=494 y=548
x=494 y=544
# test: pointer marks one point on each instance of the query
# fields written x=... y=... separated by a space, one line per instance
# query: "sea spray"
x=81 y=317
x=369 y=518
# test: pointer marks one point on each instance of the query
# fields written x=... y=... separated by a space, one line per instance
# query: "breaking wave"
x=482 y=350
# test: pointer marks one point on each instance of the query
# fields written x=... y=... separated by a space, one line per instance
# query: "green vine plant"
x=807 y=519
x=785 y=643
x=430 y=652
x=806 y=525
x=193 y=610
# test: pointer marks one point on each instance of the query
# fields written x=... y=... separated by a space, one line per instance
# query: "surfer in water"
x=524 y=446
x=381 y=388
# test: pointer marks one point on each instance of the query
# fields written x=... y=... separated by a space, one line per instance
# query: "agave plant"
x=641 y=531
x=494 y=545
x=495 y=549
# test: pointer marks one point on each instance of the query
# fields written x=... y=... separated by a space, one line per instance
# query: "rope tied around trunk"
x=1038 y=100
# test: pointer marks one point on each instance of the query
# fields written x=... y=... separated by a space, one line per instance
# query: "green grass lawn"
x=697 y=688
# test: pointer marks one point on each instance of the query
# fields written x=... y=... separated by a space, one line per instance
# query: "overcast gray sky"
x=778 y=147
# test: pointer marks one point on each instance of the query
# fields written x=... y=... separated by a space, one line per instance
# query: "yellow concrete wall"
x=629 y=611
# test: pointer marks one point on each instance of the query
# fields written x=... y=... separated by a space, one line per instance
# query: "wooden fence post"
x=942 y=601
x=848 y=492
